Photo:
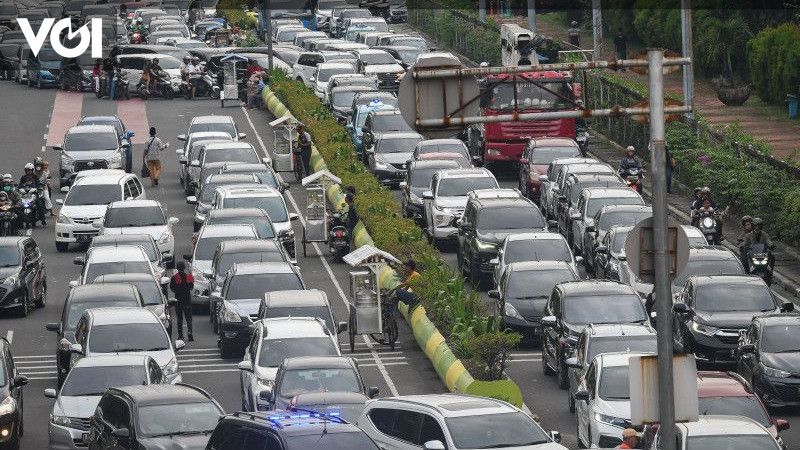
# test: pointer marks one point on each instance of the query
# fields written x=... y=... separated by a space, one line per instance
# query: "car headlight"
x=704 y=329
x=228 y=315
x=171 y=368
x=60 y=420
x=66 y=160
x=510 y=311
x=165 y=237
x=759 y=261
x=708 y=222
x=485 y=246
x=775 y=373
x=13 y=279
x=381 y=165
x=115 y=161
x=611 y=420
x=62 y=219
x=265 y=384
x=8 y=406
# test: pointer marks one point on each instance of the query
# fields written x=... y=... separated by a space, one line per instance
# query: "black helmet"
x=3 y=196
x=746 y=219
x=180 y=265
x=757 y=221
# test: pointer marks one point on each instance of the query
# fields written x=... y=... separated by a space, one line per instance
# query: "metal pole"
x=686 y=45
x=532 y=16
x=482 y=11
x=597 y=29
x=268 y=16
x=666 y=402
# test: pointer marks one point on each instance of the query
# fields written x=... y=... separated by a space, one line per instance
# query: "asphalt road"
x=25 y=125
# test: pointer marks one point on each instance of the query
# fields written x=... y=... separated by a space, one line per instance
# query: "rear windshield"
x=76 y=309
x=397 y=145
x=262 y=225
x=208 y=245
x=274 y=351
x=625 y=218
x=228 y=260
x=546 y=155
x=735 y=406
x=700 y=267
x=325 y=74
x=80 y=142
x=535 y=284
x=255 y=285
x=134 y=217
x=596 y=204
x=84 y=381
x=274 y=206
x=510 y=219
x=128 y=337
x=732 y=442
x=97 y=269
x=454 y=147
x=389 y=122
x=537 y=250
x=8 y=8
x=422 y=177
x=245 y=155
x=460 y=187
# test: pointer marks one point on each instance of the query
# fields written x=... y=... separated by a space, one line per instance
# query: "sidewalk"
x=769 y=124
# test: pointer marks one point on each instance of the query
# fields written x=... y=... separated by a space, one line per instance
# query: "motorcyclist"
x=747 y=227
x=195 y=73
x=630 y=161
x=31 y=180
x=185 y=67
x=43 y=174
x=156 y=72
x=580 y=125
x=403 y=291
x=704 y=193
x=7 y=186
x=757 y=236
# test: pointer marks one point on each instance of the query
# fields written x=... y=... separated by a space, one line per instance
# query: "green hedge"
x=774 y=56
x=458 y=314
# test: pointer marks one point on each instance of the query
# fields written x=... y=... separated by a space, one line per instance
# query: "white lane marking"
x=378 y=362
x=10 y=336
x=50 y=366
x=44 y=148
x=41 y=378
x=516 y=360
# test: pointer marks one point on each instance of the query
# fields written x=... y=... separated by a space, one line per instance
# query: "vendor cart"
x=315 y=228
x=284 y=130
x=230 y=86
x=219 y=37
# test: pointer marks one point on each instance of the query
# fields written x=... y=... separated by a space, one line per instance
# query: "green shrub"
x=491 y=352
x=774 y=56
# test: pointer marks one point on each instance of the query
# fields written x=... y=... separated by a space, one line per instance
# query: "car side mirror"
x=53 y=326
x=75 y=348
x=494 y=261
x=747 y=348
x=173 y=220
x=182 y=137
x=582 y=394
x=787 y=307
x=246 y=365
x=188 y=257
x=494 y=294
x=19 y=381
x=579 y=259
x=524 y=161
x=266 y=395
x=373 y=391
x=341 y=327
x=433 y=445
x=781 y=424
x=192 y=200
x=73 y=283
x=57 y=148
x=680 y=308
x=129 y=134
x=241 y=136
x=543 y=178
x=195 y=163
x=50 y=393
x=403 y=185
x=121 y=433
x=601 y=249
x=79 y=260
x=548 y=321
x=179 y=152
x=555 y=436
x=573 y=363
x=427 y=195
x=179 y=344
x=294 y=216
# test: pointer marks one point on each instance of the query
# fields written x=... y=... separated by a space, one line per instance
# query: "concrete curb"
x=449 y=368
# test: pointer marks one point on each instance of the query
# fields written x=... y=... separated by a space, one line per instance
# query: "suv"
x=189 y=152
x=603 y=220
x=25 y=278
x=549 y=190
x=215 y=123
x=490 y=216
x=273 y=341
x=154 y=416
x=305 y=303
x=87 y=201
x=154 y=298
x=711 y=311
x=768 y=355
x=382 y=121
x=537 y=156
x=574 y=305
x=142 y=217
x=568 y=196
x=389 y=157
x=538 y=246
x=452 y=421
x=447 y=198
x=145 y=241
x=582 y=216
x=382 y=66
x=256 y=217
x=239 y=299
x=107 y=260
x=417 y=180
x=323 y=73
x=610 y=253
x=90 y=147
x=728 y=432
x=205 y=196
x=287 y=430
x=597 y=339
x=43 y=69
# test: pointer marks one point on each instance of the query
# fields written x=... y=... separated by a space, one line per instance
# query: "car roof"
x=334 y=65
x=610 y=192
x=229 y=177
x=123 y=278
x=92 y=129
x=116 y=360
x=617 y=359
x=231 y=167
x=427 y=142
x=540 y=235
x=433 y=163
x=625 y=208
x=318 y=362
x=237 y=212
x=212 y=119
x=504 y=202
x=453 y=405
x=121 y=315
x=536 y=266
x=301 y=298
x=8 y=241
x=399 y=135
x=205 y=135
x=619 y=329
x=251 y=246
x=711 y=252
x=721 y=384
x=95 y=119
x=164 y=394
x=135 y=204
x=227 y=144
x=465 y=173
x=99 y=292
x=108 y=253
x=728 y=280
x=294 y=327
x=138 y=237
x=594 y=287
x=103 y=179
x=252 y=268
x=713 y=425
x=553 y=142
x=329 y=398
x=257 y=190
x=228 y=229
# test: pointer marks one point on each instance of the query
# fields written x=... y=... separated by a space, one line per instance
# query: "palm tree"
x=720 y=40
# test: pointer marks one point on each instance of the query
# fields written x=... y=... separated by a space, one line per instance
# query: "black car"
x=11 y=427
x=610 y=254
x=155 y=416
x=769 y=356
x=79 y=299
x=8 y=54
x=22 y=270
x=486 y=222
x=287 y=430
x=711 y=311
x=569 y=195
x=304 y=374
x=389 y=157
x=381 y=121
x=574 y=305
x=523 y=291
x=252 y=216
x=606 y=218
x=44 y=68
x=76 y=73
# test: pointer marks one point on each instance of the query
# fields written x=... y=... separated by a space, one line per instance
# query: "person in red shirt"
x=630 y=439
x=181 y=284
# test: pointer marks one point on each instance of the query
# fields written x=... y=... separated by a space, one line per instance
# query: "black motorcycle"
x=8 y=220
x=760 y=260
x=204 y=87
x=338 y=236
x=708 y=225
x=123 y=87
x=162 y=88
x=29 y=206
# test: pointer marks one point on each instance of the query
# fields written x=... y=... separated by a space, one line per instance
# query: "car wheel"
x=25 y=306
x=226 y=351
x=61 y=247
x=475 y=275
x=571 y=401
x=545 y=368
x=563 y=381
x=42 y=296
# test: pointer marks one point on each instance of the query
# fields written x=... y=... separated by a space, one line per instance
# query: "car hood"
x=202 y=265
x=91 y=154
x=452 y=202
x=383 y=68
x=154 y=231
x=266 y=373
x=614 y=408
x=244 y=307
x=789 y=361
x=727 y=319
x=80 y=407
x=529 y=307
x=394 y=158
x=162 y=357
x=498 y=236
x=189 y=442
x=84 y=211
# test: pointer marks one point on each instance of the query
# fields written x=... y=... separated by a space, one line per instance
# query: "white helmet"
x=630 y=149
x=29 y=166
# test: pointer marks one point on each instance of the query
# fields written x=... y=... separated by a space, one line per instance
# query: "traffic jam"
x=176 y=276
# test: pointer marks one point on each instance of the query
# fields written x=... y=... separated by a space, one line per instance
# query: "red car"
x=537 y=156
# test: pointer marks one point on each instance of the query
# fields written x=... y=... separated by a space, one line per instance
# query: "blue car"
x=44 y=68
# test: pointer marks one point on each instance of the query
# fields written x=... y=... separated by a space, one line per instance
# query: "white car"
x=132 y=65
x=87 y=201
x=224 y=124
x=303 y=69
x=592 y=200
x=603 y=402
x=108 y=331
x=549 y=190
x=323 y=73
x=452 y=421
x=106 y=260
x=273 y=341
x=539 y=246
x=191 y=149
x=142 y=217
x=447 y=198
x=90 y=147
x=723 y=432
x=95 y=172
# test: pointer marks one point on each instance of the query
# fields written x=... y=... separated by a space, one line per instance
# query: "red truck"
x=535 y=92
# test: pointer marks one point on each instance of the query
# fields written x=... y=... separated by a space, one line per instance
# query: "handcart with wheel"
x=230 y=86
x=370 y=310
x=284 y=129
x=315 y=228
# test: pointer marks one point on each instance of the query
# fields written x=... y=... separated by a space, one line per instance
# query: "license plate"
x=85 y=437
x=83 y=238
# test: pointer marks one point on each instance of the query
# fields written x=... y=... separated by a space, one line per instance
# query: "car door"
x=551 y=333
x=432 y=430
x=247 y=378
x=748 y=360
x=583 y=407
x=398 y=429
x=26 y=272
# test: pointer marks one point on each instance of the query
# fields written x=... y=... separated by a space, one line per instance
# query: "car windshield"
x=597 y=309
x=732 y=442
x=221 y=127
x=618 y=244
x=82 y=142
x=421 y=178
x=255 y=285
x=9 y=256
x=610 y=344
x=454 y=147
x=596 y=204
x=89 y=194
x=700 y=267
x=409 y=56
x=274 y=351
x=325 y=74
x=150 y=290
x=461 y=186
x=537 y=250
x=320 y=312
x=135 y=217
x=170 y=63
x=274 y=206
x=76 y=309
x=301 y=381
x=546 y=155
x=746 y=406
x=83 y=381
x=780 y=339
x=262 y=225
x=625 y=218
x=389 y=122
x=531 y=95
x=245 y=155
x=535 y=284
x=577 y=188
x=229 y=259
x=128 y=337
x=149 y=247
x=343 y=99
x=205 y=248
x=207 y=190
x=178 y=418
x=512 y=429
x=346 y=440
x=614 y=383
x=377 y=58
x=514 y=218
x=95 y=270
x=397 y=145
x=740 y=297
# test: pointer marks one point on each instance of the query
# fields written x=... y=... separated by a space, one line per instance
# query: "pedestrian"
x=252 y=87
x=152 y=156
x=621 y=46
x=574 y=34
x=352 y=214
x=304 y=144
x=181 y=284
x=108 y=68
x=630 y=439
x=671 y=164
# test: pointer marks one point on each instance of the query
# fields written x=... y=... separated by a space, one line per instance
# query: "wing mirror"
x=79 y=260
x=787 y=307
x=341 y=327
x=195 y=163
x=494 y=294
x=50 y=393
x=246 y=365
x=782 y=424
x=192 y=200
x=494 y=261
x=582 y=394
x=572 y=363
x=373 y=392
x=555 y=436
x=19 y=381
x=403 y=185
x=427 y=195
x=73 y=283
x=242 y=136
x=433 y=445
x=182 y=137
x=179 y=344
x=548 y=321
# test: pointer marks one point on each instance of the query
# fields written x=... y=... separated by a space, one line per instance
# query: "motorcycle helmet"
x=758 y=222
x=7 y=178
x=29 y=166
x=38 y=161
x=630 y=149
x=705 y=190
x=186 y=59
x=746 y=219
x=3 y=196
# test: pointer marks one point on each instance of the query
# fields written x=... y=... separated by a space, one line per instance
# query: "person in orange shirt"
x=630 y=439
x=403 y=290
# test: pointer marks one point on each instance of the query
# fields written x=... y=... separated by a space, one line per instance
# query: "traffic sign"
x=639 y=249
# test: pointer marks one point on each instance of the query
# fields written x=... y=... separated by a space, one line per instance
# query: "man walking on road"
x=152 y=156
x=574 y=34
x=181 y=284
x=620 y=45
x=304 y=143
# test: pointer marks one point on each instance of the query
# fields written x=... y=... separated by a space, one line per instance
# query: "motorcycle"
x=206 y=87
x=163 y=88
x=338 y=236
x=123 y=87
x=8 y=220
x=99 y=86
x=708 y=225
x=29 y=206
x=582 y=138
x=760 y=259
x=633 y=178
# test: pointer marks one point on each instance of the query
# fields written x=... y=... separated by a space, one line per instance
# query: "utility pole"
x=268 y=26
x=686 y=46
x=666 y=402
x=597 y=29
x=532 y=16
x=482 y=11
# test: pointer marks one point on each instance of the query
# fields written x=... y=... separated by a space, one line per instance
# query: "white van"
x=516 y=44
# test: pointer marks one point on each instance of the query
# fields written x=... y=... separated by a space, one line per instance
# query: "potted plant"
x=720 y=44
